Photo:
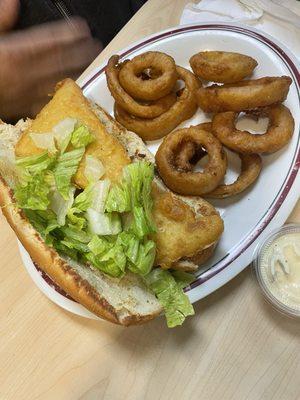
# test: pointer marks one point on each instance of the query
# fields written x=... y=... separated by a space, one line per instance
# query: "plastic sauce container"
x=277 y=265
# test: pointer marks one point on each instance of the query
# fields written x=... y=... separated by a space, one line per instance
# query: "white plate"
x=251 y=216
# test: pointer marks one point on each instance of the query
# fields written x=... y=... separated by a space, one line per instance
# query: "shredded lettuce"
x=84 y=199
x=140 y=255
x=73 y=244
x=94 y=168
x=44 y=141
x=93 y=196
x=81 y=137
x=99 y=195
x=75 y=234
x=141 y=224
x=63 y=133
x=34 y=195
x=175 y=302
x=118 y=198
x=182 y=278
x=61 y=206
x=66 y=167
x=35 y=164
x=98 y=245
x=134 y=194
x=76 y=218
x=103 y=223
x=44 y=222
x=108 y=256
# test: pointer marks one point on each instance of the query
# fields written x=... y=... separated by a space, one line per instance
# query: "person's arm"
x=35 y=59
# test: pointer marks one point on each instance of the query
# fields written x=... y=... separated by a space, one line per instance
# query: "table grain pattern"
x=235 y=348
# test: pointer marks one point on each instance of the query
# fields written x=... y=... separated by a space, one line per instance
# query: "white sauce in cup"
x=278 y=269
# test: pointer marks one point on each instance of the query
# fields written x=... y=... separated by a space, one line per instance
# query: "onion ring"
x=153 y=89
x=189 y=153
x=184 y=108
x=222 y=66
x=245 y=95
x=191 y=183
x=278 y=134
x=250 y=170
x=127 y=102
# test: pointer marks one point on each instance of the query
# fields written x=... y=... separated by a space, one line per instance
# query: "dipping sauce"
x=278 y=269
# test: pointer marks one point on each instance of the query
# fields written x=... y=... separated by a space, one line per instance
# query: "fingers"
x=9 y=10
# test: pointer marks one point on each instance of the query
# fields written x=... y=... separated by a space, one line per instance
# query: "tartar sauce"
x=278 y=269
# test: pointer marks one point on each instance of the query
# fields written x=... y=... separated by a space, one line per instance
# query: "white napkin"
x=280 y=19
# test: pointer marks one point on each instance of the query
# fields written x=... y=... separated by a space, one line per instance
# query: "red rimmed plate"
x=251 y=216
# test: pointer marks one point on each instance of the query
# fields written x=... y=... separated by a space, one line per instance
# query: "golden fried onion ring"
x=251 y=165
x=184 y=108
x=189 y=153
x=222 y=66
x=128 y=103
x=278 y=134
x=165 y=75
x=250 y=170
x=245 y=95
x=189 y=182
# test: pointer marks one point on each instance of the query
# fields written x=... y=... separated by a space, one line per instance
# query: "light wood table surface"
x=235 y=348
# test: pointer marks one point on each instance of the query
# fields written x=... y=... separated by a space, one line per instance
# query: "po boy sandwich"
x=83 y=197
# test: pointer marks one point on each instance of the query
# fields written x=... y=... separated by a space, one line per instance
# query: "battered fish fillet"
x=69 y=101
x=182 y=232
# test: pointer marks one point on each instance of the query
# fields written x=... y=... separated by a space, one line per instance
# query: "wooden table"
x=236 y=347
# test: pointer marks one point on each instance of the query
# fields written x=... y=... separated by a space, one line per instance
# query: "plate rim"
x=212 y=279
x=291 y=62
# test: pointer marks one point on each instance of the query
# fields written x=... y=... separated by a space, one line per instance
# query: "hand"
x=34 y=60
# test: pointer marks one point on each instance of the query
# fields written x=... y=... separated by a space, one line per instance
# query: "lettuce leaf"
x=99 y=245
x=94 y=168
x=134 y=194
x=141 y=225
x=44 y=141
x=76 y=218
x=108 y=256
x=99 y=195
x=103 y=223
x=93 y=196
x=81 y=137
x=63 y=133
x=66 y=167
x=119 y=198
x=35 y=164
x=73 y=244
x=34 y=195
x=84 y=200
x=66 y=250
x=61 y=206
x=44 y=222
x=75 y=234
x=176 y=304
x=183 y=279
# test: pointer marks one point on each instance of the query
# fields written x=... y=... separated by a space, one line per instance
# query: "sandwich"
x=83 y=196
